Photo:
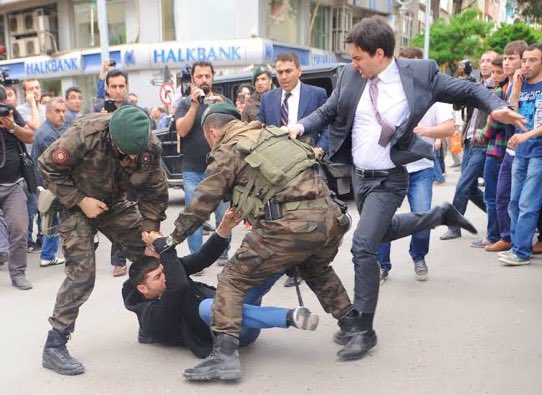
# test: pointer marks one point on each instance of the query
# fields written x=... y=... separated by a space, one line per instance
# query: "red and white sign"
x=167 y=92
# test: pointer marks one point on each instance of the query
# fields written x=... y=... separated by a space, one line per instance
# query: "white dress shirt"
x=392 y=105
x=293 y=103
x=438 y=113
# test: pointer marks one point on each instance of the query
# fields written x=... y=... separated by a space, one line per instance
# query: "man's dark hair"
x=371 y=34
x=202 y=63
x=288 y=57
x=3 y=94
x=532 y=47
x=515 y=47
x=140 y=268
x=498 y=61
x=72 y=89
x=245 y=85
x=411 y=53
x=217 y=120
x=115 y=73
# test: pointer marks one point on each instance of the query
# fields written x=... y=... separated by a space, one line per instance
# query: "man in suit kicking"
x=373 y=110
x=294 y=100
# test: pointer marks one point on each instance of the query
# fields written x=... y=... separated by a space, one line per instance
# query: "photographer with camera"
x=194 y=147
x=14 y=133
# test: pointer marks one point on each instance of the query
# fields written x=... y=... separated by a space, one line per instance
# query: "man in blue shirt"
x=47 y=133
x=526 y=199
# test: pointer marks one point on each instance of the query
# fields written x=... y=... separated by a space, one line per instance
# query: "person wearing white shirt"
x=438 y=122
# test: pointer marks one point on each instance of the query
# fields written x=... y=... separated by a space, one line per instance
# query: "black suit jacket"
x=423 y=85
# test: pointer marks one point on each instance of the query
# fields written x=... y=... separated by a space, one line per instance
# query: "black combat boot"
x=356 y=339
x=56 y=356
x=223 y=362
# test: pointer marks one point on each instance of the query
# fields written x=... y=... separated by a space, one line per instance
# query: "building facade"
x=57 y=41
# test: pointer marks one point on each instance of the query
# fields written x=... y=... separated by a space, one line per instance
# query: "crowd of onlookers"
x=508 y=159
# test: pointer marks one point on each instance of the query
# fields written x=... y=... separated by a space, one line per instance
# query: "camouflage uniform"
x=83 y=162
x=308 y=235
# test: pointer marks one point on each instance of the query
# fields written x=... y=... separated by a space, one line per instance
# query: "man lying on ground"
x=174 y=310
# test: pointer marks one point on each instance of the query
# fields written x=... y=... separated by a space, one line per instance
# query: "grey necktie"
x=388 y=129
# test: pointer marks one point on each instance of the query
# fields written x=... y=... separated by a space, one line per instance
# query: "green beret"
x=222 y=108
x=130 y=127
x=258 y=71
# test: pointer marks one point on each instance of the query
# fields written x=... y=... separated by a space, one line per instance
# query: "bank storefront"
x=145 y=63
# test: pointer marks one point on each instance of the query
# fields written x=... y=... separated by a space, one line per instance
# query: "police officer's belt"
x=274 y=210
x=378 y=173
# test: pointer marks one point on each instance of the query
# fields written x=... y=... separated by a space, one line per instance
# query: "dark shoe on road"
x=119 y=271
x=223 y=362
x=144 y=338
x=56 y=356
x=384 y=273
x=450 y=234
x=22 y=283
x=349 y=326
x=342 y=338
x=32 y=247
x=453 y=218
x=421 y=270
x=358 y=346
x=290 y=282
x=4 y=257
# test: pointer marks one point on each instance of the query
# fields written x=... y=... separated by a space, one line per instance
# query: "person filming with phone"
x=14 y=133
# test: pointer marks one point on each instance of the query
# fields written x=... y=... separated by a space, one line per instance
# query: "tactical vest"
x=273 y=161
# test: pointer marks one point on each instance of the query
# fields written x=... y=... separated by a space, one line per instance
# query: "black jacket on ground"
x=174 y=319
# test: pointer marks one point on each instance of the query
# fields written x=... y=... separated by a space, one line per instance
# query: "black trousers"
x=377 y=200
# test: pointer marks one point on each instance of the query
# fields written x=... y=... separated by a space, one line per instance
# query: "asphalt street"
x=474 y=328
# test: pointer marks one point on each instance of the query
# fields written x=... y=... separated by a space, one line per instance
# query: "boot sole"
x=353 y=357
x=62 y=371
x=221 y=375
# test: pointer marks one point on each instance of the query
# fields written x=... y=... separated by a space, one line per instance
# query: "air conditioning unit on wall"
x=18 y=48
x=36 y=21
x=32 y=46
x=16 y=24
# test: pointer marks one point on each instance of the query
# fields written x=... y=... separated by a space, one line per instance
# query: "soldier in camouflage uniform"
x=303 y=227
x=88 y=169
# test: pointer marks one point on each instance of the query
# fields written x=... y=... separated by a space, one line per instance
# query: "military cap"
x=259 y=71
x=130 y=127
x=222 y=108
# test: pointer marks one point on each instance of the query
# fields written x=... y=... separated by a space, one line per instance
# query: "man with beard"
x=193 y=145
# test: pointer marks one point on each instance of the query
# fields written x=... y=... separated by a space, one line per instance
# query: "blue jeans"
x=491 y=176
x=472 y=168
x=437 y=171
x=191 y=180
x=4 y=237
x=32 y=206
x=255 y=317
x=525 y=203
x=420 y=193
x=504 y=186
x=50 y=245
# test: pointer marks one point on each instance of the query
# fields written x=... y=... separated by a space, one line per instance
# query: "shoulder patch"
x=61 y=156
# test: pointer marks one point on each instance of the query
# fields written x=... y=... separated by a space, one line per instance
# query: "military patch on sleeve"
x=61 y=156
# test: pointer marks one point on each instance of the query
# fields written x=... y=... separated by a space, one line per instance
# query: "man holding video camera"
x=14 y=133
x=199 y=96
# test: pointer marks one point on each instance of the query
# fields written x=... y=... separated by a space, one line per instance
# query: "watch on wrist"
x=12 y=131
x=163 y=244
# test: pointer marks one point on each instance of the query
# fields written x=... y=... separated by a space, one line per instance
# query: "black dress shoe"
x=453 y=218
x=358 y=346
x=342 y=338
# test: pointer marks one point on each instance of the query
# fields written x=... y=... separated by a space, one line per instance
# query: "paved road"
x=474 y=328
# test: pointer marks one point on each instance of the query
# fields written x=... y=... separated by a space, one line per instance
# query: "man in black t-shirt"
x=14 y=133
x=193 y=144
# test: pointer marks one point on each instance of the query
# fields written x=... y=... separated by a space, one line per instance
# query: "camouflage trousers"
x=309 y=239
x=121 y=224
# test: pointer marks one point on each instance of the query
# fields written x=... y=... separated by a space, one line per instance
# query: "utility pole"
x=102 y=26
x=427 y=29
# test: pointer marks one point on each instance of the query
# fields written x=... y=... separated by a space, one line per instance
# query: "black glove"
x=163 y=244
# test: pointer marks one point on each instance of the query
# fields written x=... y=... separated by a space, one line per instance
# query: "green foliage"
x=463 y=37
x=516 y=31
x=530 y=9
